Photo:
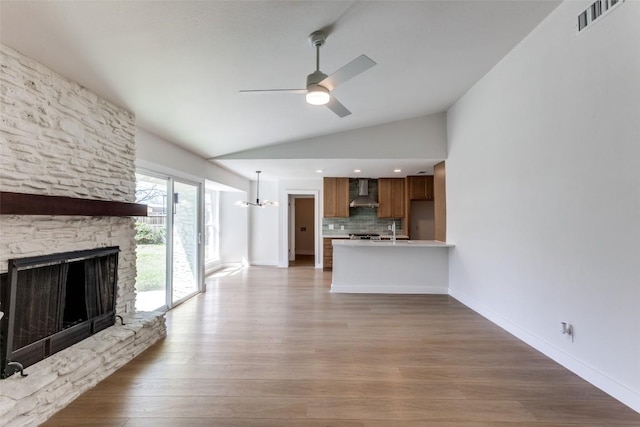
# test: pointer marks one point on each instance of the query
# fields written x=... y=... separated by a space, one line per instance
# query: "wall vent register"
x=596 y=11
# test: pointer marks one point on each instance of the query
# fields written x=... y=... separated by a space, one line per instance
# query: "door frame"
x=198 y=240
x=286 y=224
x=292 y=223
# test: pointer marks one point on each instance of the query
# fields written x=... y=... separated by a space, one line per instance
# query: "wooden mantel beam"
x=39 y=204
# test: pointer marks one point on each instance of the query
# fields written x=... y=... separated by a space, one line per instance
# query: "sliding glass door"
x=185 y=235
x=168 y=246
x=151 y=241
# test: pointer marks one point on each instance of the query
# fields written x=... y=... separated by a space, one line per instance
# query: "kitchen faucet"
x=393 y=231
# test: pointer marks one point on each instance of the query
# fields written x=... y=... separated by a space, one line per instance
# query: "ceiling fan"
x=319 y=85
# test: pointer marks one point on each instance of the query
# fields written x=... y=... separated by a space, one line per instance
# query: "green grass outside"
x=151 y=266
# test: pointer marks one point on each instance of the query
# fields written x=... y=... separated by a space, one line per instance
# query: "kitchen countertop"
x=388 y=243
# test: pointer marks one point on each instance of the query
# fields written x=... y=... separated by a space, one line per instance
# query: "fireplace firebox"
x=51 y=302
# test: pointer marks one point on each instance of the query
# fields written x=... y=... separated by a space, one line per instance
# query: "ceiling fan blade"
x=359 y=65
x=274 y=90
x=335 y=106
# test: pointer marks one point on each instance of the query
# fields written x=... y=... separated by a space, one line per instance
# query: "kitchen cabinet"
x=327 y=253
x=391 y=198
x=440 y=202
x=336 y=197
x=420 y=187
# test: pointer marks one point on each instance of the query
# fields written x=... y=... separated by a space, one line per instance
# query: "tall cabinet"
x=440 y=202
x=420 y=207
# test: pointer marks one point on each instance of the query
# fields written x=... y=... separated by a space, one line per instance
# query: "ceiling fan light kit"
x=318 y=95
x=319 y=85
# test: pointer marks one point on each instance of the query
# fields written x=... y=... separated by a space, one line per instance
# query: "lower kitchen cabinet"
x=327 y=253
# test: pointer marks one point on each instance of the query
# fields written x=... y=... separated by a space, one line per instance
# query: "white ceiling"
x=179 y=65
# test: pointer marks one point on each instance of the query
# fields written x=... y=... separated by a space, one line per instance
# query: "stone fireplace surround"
x=59 y=139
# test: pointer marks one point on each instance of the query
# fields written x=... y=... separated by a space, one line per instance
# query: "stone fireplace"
x=59 y=139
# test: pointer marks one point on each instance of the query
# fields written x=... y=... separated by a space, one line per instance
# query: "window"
x=212 y=226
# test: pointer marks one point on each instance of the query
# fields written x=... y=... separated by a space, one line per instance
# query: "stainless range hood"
x=363 y=199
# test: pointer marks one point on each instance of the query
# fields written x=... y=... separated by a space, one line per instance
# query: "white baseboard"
x=264 y=262
x=237 y=264
x=213 y=267
x=415 y=290
x=610 y=386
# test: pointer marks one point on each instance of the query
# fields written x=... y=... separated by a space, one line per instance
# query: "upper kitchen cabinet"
x=391 y=198
x=336 y=197
x=420 y=187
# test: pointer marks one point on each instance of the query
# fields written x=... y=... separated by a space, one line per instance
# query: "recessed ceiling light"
x=357 y=170
x=397 y=170
x=319 y=170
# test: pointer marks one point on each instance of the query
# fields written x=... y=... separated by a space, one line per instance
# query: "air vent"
x=596 y=12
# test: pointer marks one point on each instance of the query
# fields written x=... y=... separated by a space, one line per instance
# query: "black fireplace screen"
x=52 y=302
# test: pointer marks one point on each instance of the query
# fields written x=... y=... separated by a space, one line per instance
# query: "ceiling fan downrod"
x=258 y=189
x=317 y=39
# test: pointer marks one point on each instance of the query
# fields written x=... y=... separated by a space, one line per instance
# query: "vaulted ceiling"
x=179 y=65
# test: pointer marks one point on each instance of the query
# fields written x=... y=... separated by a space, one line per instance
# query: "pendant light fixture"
x=258 y=203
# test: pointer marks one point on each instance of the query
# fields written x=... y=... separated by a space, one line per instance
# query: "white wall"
x=234 y=230
x=157 y=153
x=264 y=225
x=423 y=137
x=543 y=195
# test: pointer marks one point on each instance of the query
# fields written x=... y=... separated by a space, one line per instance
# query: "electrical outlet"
x=567 y=329
x=342 y=227
x=330 y=226
x=389 y=227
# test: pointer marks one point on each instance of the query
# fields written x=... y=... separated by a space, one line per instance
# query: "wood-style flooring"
x=273 y=347
x=303 y=261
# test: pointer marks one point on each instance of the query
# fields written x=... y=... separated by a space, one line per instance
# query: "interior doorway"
x=302 y=232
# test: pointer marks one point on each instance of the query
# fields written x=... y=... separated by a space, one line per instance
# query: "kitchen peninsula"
x=383 y=266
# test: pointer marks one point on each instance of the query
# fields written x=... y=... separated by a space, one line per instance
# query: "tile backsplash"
x=361 y=220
